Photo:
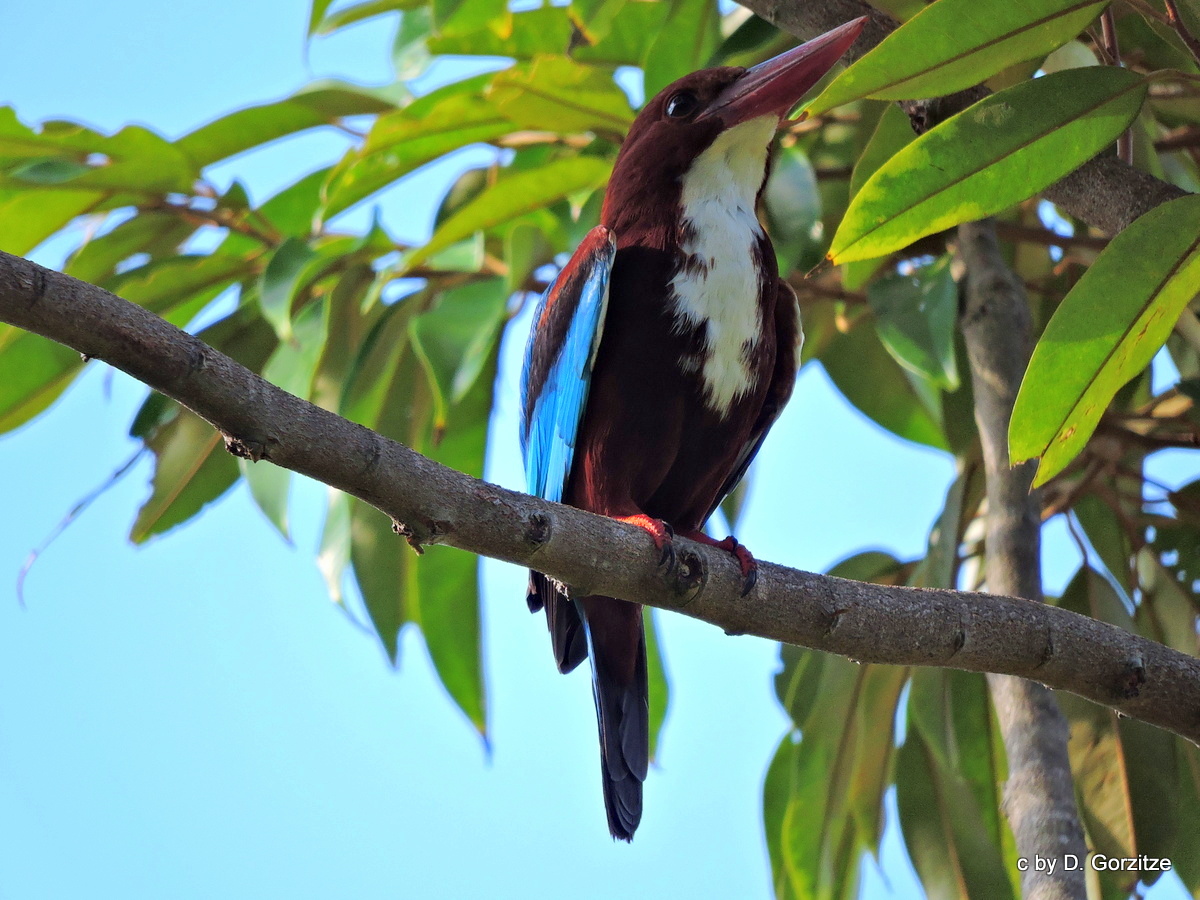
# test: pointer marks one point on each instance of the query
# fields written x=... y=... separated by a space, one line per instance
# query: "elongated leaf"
x=401 y=142
x=953 y=44
x=514 y=196
x=656 y=677
x=1106 y=330
x=456 y=17
x=152 y=233
x=556 y=94
x=633 y=28
x=916 y=316
x=280 y=280
x=34 y=371
x=455 y=340
x=544 y=32
x=358 y=12
x=875 y=383
x=685 y=43
x=594 y=18
x=319 y=104
x=998 y=152
x=29 y=217
x=192 y=469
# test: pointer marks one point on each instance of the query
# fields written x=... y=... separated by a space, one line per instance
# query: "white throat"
x=719 y=286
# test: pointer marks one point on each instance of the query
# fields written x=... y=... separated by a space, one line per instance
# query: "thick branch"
x=1039 y=797
x=871 y=623
x=1105 y=192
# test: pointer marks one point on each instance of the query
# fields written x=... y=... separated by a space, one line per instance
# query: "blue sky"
x=193 y=718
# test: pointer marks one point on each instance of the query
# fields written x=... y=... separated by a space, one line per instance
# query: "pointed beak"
x=775 y=86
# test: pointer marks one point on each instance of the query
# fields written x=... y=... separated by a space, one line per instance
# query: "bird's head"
x=731 y=111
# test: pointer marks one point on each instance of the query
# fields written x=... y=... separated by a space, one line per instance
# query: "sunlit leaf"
x=402 y=141
x=29 y=217
x=954 y=44
x=455 y=17
x=318 y=104
x=1106 y=330
x=998 y=152
x=280 y=279
x=514 y=196
x=685 y=43
x=543 y=32
x=357 y=12
x=556 y=94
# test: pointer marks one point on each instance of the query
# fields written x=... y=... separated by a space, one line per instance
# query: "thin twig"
x=1181 y=29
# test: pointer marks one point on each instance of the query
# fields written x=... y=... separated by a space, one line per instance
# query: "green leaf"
x=322 y=103
x=270 y=486
x=1105 y=331
x=29 y=217
x=545 y=32
x=998 y=152
x=191 y=469
x=514 y=196
x=34 y=371
x=334 y=555
x=402 y=141
x=916 y=316
x=893 y=132
x=823 y=794
x=410 y=49
x=455 y=17
x=456 y=338
x=316 y=13
x=953 y=44
x=280 y=281
x=633 y=28
x=153 y=233
x=872 y=381
x=656 y=675
x=179 y=286
x=684 y=44
x=594 y=18
x=792 y=204
x=349 y=15
x=556 y=94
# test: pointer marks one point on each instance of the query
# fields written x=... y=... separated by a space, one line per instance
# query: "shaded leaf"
x=455 y=339
x=876 y=385
x=513 y=196
x=1105 y=331
x=656 y=674
x=456 y=17
x=280 y=280
x=953 y=44
x=594 y=18
x=998 y=152
x=916 y=316
x=792 y=204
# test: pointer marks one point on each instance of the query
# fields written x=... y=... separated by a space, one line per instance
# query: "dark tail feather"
x=622 y=708
x=562 y=618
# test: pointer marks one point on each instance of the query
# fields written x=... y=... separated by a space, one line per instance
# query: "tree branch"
x=432 y=504
x=1104 y=192
x=1039 y=797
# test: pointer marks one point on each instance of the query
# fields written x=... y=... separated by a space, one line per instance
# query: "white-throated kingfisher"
x=660 y=356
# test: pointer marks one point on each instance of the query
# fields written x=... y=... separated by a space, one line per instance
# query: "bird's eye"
x=682 y=105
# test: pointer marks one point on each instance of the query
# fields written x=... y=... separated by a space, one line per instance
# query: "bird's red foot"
x=660 y=532
x=745 y=559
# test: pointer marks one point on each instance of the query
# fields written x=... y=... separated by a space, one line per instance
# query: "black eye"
x=682 y=105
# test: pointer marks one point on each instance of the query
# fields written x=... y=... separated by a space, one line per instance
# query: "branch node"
x=688 y=577
x=835 y=620
x=960 y=641
x=436 y=530
x=245 y=448
x=409 y=535
x=538 y=530
x=1133 y=676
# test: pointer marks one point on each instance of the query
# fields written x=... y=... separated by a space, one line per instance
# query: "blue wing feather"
x=557 y=374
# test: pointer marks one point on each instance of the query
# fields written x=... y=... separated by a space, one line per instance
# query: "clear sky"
x=193 y=718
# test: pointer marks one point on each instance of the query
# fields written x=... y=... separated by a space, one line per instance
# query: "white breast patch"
x=719 y=289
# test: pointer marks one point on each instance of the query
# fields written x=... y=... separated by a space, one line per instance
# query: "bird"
x=658 y=359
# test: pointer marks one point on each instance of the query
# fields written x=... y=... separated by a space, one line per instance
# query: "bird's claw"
x=661 y=533
x=745 y=559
